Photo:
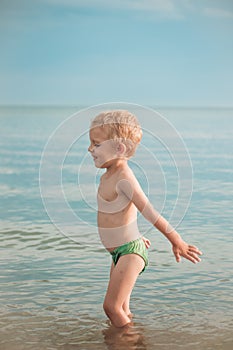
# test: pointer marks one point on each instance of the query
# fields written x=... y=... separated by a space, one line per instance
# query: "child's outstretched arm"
x=132 y=189
x=180 y=248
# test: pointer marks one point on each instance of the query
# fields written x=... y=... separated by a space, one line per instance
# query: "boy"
x=114 y=136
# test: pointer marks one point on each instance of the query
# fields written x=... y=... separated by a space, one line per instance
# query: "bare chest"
x=107 y=190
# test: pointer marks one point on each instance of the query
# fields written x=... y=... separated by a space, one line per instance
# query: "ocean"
x=53 y=269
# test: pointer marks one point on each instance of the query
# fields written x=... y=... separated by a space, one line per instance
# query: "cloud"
x=25 y=10
x=156 y=5
x=217 y=13
x=173 y=9
x=222 y=9
x=163 y=9
x=160 y=7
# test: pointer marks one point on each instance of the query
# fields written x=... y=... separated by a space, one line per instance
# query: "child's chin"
x=99 y=166
x=102 y=165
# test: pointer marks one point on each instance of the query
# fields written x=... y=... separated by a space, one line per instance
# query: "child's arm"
x=179 y=247
x=132 y=189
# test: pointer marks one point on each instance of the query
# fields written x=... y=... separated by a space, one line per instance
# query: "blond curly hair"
x=121 y=126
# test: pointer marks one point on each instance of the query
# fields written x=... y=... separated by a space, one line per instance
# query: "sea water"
x=52 y=282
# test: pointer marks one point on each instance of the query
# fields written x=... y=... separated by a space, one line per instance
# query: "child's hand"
x=147 y=242
x=190 y=252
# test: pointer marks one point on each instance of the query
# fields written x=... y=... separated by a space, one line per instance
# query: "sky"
x=153 y=52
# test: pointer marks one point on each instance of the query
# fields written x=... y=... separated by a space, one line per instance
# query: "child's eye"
x=96 y=144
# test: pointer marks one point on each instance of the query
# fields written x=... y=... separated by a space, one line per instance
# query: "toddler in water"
x=114 y=137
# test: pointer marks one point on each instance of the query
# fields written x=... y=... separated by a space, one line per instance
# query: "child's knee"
x=116 y=314
x=106 y=307
x=110 y=308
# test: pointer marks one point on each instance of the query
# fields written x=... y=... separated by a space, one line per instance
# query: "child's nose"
x=90 y=149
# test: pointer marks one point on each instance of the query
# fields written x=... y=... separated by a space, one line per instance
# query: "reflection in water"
x=130 y=337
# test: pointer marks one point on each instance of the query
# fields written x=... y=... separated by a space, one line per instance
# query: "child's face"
x=101 y=148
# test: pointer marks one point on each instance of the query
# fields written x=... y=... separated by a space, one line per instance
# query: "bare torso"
x=117 y=215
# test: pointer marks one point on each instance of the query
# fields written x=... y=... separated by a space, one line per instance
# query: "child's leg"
x=127 y=300
x=122 y=280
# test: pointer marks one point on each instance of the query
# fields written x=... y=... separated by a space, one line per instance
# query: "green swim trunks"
x=134 y=247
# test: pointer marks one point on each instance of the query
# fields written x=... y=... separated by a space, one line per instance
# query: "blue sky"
x=153 y=52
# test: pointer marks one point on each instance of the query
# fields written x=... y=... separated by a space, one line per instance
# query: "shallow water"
x=52 y=286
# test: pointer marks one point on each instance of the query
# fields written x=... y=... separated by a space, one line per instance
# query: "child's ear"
x=121 y=149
